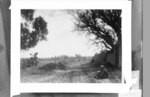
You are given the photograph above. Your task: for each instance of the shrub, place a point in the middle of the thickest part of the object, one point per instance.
(53, 66)
(61, 66)
(48, 67)
(29, 62)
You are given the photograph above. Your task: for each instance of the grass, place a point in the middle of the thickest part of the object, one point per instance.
(72, 70)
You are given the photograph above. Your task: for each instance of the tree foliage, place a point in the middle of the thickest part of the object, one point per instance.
(27, 14)
(33, 29)
(104, 24)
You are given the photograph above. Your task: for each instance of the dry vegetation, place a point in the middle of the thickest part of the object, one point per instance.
(65, 69)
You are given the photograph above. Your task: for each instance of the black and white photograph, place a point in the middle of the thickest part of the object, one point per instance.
(71, 46)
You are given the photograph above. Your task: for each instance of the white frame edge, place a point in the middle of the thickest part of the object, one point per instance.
(17, 87)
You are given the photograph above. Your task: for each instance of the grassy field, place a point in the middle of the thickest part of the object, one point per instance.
(65, 70)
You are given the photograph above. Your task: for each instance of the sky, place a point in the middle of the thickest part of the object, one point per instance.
(62, 38)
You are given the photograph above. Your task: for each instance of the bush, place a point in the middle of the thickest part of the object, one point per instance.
(61, 66)
(48, 67)
(53, 66)
(29, 62)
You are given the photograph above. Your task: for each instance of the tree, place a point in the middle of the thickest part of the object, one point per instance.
(105, 25)
(33, 29)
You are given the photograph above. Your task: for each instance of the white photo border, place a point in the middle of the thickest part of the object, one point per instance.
(18, 87)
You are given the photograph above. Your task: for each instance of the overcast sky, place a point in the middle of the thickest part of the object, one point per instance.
(62, 39)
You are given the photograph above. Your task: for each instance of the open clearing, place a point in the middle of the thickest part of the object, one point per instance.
(71, 74)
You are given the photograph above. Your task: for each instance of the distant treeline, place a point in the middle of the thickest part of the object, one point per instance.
(65, 60)
(64, 57)
(68, 59)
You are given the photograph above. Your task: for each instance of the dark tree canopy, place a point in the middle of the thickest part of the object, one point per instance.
(104, 24)
(33, 29)
(27, 14)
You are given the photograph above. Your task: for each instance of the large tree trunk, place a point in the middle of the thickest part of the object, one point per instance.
(118, 52)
